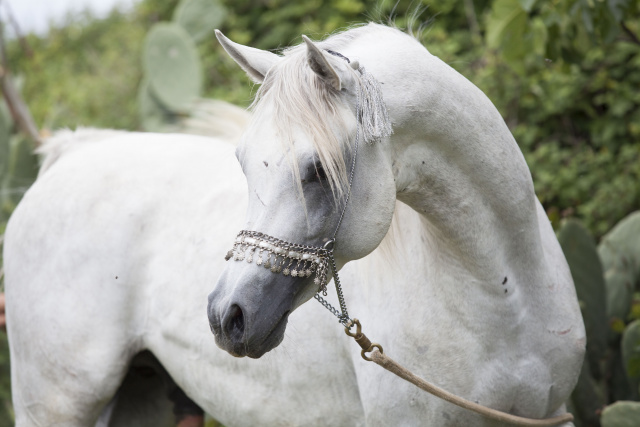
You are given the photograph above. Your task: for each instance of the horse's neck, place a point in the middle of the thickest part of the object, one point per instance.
(457, 164)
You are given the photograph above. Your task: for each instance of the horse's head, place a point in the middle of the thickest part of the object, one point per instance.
(297, 157)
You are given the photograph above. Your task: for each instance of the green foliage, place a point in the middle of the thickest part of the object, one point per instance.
(507, 28)
(573, 27)
(83, 75)
(571, 102)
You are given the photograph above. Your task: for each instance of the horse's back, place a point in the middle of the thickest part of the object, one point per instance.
(77, 255)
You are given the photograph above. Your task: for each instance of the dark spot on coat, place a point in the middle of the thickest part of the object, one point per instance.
(506, 290)
(116, 277)
(265, 163)
(423, 162)
(504, 282)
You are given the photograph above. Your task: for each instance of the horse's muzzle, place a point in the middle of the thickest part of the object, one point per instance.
(249, 318)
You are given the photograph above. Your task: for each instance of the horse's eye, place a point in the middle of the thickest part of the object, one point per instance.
(315, 173)
(320, 173)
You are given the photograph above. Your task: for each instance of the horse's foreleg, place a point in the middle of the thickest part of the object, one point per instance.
(66, 365)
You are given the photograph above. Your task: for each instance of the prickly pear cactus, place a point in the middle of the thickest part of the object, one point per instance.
(580, 250)
(153, 115)
(630, 347)
(619, 251)
(621, 414)
(172, 65)
(587, 399)
(609, 300)
(199, 17)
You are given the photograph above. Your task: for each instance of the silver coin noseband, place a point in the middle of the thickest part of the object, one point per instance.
(283, 257)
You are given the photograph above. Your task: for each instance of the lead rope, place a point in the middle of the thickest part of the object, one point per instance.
(376, 350)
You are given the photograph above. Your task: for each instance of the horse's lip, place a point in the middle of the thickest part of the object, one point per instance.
(239, 351)
(275, 337)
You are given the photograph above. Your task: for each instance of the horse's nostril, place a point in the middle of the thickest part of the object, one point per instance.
(234, 324)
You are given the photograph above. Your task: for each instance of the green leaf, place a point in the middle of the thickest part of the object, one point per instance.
(506, 25)
(587, 20)
(527, 5)
(537, 36)
(618, 8)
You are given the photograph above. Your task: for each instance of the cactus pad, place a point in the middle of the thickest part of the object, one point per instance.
(199, 17)
(621, 414)
(623, 240)
(580, 250)
(630, 347)
(172, 65)
(153, 115)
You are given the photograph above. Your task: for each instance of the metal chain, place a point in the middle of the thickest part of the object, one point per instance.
(343, 316)
(328, 306)
(336, 280)
(353, 165)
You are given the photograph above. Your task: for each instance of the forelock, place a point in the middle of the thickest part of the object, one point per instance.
(298, 99)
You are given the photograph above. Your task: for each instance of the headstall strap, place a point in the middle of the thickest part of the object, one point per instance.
(339, 55)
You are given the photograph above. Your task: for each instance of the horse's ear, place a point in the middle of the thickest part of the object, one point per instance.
(254, 62)
(321, 65)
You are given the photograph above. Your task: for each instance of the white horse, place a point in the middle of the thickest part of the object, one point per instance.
(111, 254)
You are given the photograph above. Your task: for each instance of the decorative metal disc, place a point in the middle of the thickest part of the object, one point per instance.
(306, 260)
